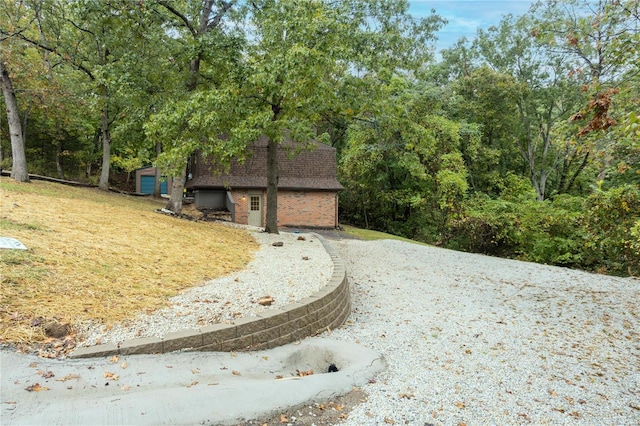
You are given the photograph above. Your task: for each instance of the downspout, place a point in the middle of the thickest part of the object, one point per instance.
(337, 224)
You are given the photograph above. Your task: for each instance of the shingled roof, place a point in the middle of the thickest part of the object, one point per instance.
(310, 169)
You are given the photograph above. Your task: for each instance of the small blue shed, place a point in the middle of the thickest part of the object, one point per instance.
(145, 181)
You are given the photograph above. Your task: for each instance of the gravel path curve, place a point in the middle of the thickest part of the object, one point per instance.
(297, 269)
(468, 339)
(476, 340)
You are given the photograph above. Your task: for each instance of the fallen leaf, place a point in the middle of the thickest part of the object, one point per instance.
(235, 373)
(407, 395)
(284, 419)
(459, 404)
(195, 371)
(389, 421)
(111, 376)
(125, 388)
(36, 388)
(68, 377)
(368, 414)
(279, 376)
(47, 374)
(468, 351)
(114, 359)
(192, 384)
(338, 407)
(304, 373)
(266, 301)
(124, 365)
(10, 402)
(321, 406)
(265, 358)
(575, 414)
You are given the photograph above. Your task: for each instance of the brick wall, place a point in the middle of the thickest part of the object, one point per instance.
(306, 208)
(317, 209)
(241, 198)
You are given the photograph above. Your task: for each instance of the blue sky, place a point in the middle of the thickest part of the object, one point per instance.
(466, 16)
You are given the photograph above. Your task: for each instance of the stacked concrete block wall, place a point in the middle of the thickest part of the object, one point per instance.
(324, 310)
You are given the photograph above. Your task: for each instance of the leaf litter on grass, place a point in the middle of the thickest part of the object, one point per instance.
(98, 256)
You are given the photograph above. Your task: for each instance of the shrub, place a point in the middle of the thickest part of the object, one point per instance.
(611, 222)
(523, 228)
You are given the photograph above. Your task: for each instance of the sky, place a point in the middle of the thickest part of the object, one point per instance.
(466, 16)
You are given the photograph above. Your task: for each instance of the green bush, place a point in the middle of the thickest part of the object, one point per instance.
(543, 232)
(490, 227)
(611, 222)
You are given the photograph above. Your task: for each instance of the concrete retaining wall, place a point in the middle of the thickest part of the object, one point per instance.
(326, 309)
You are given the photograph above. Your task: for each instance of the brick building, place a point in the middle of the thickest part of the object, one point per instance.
(307, 186)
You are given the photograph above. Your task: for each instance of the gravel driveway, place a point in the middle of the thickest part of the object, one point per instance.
(476, 340)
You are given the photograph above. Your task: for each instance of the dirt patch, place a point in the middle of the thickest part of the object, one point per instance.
(328, 413)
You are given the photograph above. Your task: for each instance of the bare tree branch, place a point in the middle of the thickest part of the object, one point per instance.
(180, 16)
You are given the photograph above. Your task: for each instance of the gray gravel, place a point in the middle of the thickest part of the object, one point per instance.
(289, 273)
(468, 339)
(475, 340)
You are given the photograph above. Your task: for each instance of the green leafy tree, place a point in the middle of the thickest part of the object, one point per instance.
(601, 39)
(204, 47)
(402, 168)
(297, 54)
(489, 99)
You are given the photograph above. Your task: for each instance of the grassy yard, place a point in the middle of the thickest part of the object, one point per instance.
(370, 235)
(99, 256)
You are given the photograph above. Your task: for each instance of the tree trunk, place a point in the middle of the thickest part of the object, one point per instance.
(59, 151)
(47, 62)
(177, 190)
(19, 165)
(106, 150)
(206, 23)
(156, 183)
(272, 187)
(177, 187)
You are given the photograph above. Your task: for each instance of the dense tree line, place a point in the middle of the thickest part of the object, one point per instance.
(523, 142)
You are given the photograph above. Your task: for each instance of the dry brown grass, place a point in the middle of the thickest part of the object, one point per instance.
(100, 256)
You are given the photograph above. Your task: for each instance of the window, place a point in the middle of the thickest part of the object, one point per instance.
(255, 203)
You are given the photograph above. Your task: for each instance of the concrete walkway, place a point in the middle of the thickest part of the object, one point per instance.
(179, 388)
